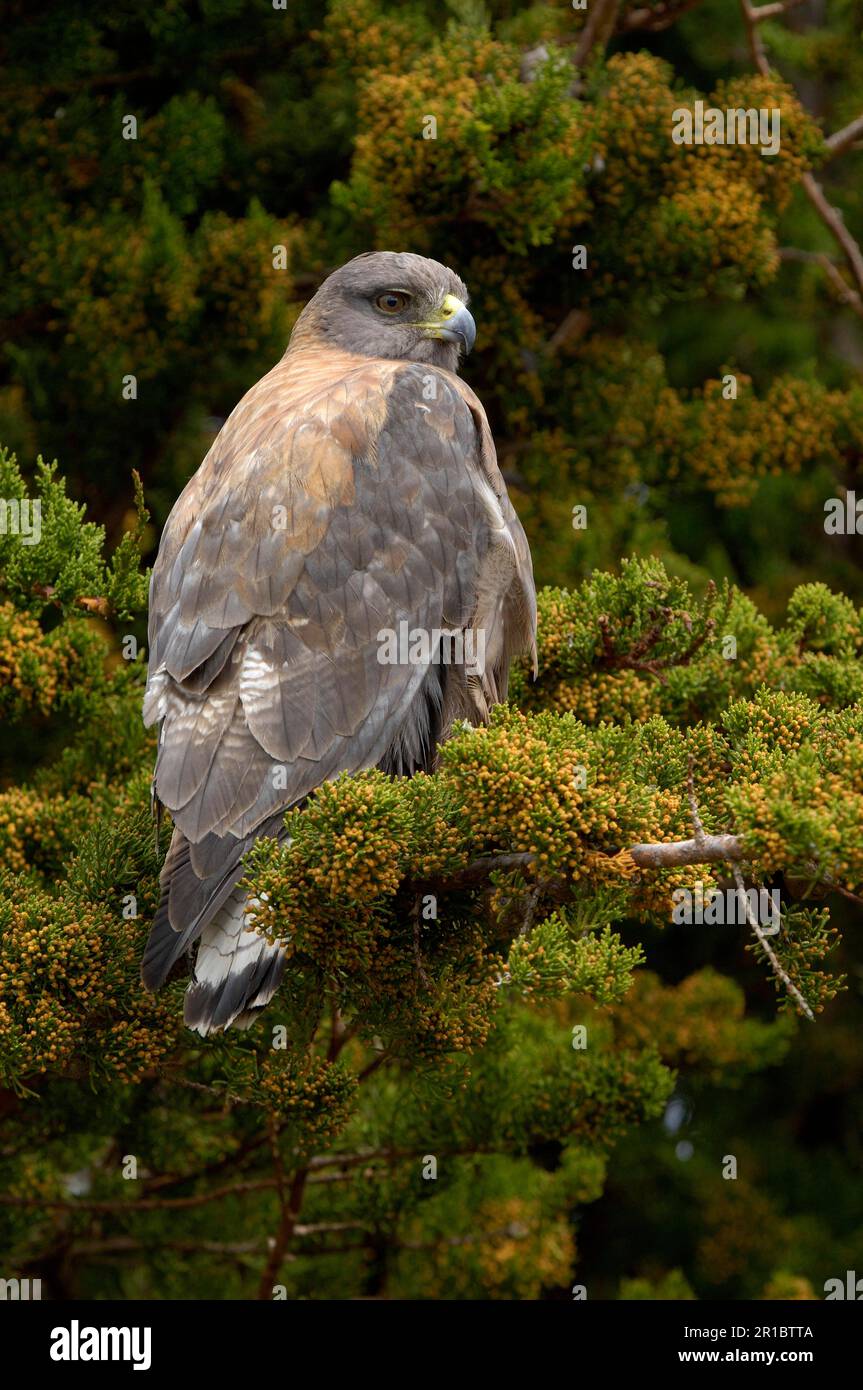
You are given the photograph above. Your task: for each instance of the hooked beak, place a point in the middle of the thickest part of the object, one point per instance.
(455, 324)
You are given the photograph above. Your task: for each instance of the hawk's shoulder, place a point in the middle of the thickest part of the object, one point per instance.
(336, 503)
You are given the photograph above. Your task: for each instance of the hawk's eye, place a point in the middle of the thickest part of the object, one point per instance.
(393, 301)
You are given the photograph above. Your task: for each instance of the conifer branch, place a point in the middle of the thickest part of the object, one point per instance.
(771, 955)
(654, 20)
(237, 1157)
(700, 836)
(598, 29)
(127, 1245)
(130, 1205)
(706, 849)
(287, 1228)
(846, 293)
(829, 215)
(773, 11)
(844, 139)
(834, 223)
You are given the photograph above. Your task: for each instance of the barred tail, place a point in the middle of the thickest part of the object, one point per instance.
(237, 971)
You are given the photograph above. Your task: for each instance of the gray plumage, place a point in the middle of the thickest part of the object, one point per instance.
(353, 488)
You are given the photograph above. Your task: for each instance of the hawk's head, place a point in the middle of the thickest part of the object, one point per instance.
(391, 304)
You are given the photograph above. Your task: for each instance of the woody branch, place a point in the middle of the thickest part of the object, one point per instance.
(843, 140)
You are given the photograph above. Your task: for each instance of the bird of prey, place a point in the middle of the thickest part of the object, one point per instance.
(353, 490)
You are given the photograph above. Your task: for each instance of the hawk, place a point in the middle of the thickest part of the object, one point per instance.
(353, 490)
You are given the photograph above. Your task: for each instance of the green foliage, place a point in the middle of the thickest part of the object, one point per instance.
(552, 960)
(673, 1285)
(459, 980)
(61, 561)
(454, 940)
(305, 130)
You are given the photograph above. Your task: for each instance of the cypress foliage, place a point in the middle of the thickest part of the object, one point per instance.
(497, 1065)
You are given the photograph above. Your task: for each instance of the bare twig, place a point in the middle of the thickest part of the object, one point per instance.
(236, 1157)
(756, 47)
(700, 836)
(598, 29)
(832, 220)
(778, 969)
(478, 870)
(709, 849)
(533, 898)
(843, 892)
(371, 1067)
(131, 1205)
(341, 1161)
(369, 1155)
(773, 11)
(292, 1202)
(845, 292)
(843, 139)
(340, 1034)
(276, 1152)
(653, 21)
(829, 215)
(701, 840)
(637, 657)
(573, 327)
(282, 1239)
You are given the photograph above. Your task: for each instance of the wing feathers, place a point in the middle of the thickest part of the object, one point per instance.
(338, 501)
